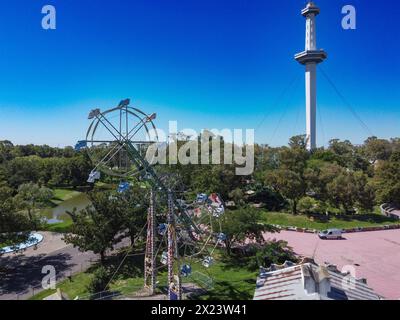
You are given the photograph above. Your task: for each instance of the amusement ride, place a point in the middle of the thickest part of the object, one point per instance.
(181, 235)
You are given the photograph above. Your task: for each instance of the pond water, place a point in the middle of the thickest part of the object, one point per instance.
(59, 213)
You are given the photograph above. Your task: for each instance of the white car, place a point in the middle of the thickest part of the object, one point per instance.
(330, 234)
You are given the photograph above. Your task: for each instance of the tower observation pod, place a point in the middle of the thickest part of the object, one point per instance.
(310, 57)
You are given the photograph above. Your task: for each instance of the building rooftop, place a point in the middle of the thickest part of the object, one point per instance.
(58, 295)
(310, 281)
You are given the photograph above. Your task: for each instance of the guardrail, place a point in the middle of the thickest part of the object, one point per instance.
(110, 294)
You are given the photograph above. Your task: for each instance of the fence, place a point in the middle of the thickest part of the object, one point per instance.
(111, 294)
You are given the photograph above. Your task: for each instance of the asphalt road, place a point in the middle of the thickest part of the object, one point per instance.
(19, 273)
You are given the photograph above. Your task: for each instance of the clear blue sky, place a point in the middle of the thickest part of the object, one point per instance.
(205, 63)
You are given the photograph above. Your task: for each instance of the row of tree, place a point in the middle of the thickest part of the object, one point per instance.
(345, 177)
(42, 165)
(9, 151)
(341, 177)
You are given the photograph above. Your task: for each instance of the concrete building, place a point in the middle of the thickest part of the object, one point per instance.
(310, 281)
(310, 57)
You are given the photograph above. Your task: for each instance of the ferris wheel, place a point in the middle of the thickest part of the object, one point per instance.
(110, 135)
(182, 235)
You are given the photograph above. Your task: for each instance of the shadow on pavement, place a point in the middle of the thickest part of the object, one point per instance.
(18, 273)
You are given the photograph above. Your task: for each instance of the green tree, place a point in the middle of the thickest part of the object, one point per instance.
(376, 149)
(387, 180)
(79, 168)
(349, 190)
(22, 170)
(14, 227)
(135, 202)
(342, 190)
(365, 194)
(237, 195)
(317, 176)
(276, 252)
(294, 158)
(30, 196)
(289, 178)
(242, 224)
(288, 183)
(6, 148)
(97, 228)
(99, 282)
(311, 205)
(348, 155)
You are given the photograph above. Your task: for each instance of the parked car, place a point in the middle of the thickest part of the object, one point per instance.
(330, 234)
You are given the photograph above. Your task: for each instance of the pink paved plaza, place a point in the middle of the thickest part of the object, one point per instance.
(374, 255)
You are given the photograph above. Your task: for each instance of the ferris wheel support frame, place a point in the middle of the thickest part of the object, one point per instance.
(150, 274)
(174, 280)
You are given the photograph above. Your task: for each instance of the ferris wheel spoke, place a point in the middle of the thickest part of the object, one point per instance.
(204, 247)
(110, 123)
(203, 219)
(119, 147)
(132, 173)
(100, 117)
(99, 141)
(140, 122)
(103, 160)
(130, 136)
(213, 248)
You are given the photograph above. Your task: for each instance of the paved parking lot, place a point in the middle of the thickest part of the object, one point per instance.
(23, 271)
(374, 255)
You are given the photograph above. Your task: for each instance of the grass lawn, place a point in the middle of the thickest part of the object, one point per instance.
(76, 287)
(61, 195)
(61, 227)
(78, 283)
(231, 280)
(339, 221)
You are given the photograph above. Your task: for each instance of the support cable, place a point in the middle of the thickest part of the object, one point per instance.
(346, 103)
(296, 83)
(278, 100)
(319, 111)
(123, 259)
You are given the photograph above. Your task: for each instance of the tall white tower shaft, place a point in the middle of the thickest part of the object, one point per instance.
(311, 105)
(310, 57)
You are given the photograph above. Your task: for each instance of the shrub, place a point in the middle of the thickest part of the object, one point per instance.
(272, 252)
(311, 205)
(100, 280)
